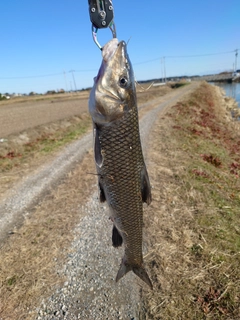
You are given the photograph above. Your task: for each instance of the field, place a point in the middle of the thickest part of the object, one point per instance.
(34, 129)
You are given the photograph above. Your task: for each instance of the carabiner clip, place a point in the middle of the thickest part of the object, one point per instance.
(101, 16)
(95, 30)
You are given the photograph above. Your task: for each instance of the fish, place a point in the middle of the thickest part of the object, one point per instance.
(123, 179)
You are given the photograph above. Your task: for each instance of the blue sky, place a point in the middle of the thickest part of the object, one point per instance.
(42, 39)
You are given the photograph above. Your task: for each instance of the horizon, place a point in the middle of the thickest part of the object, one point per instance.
(181, 77)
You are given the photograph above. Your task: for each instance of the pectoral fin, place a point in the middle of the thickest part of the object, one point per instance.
(145, 186)
(97, 147)
(101, 193)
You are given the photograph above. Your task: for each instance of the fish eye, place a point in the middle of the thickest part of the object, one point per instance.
(123, 82)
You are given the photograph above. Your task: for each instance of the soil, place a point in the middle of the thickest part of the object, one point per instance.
(17, 116)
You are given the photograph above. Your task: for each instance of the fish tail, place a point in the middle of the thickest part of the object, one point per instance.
(138, 270)
(142, 274)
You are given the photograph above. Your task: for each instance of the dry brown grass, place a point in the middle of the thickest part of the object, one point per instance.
(144, 94)
(193, 223)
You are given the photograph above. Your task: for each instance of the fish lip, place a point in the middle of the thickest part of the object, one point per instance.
(121, 49)
(116, 50)
(122, 45)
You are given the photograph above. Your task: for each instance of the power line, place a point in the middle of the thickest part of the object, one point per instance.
(31, 77)
(44, 75)
(201, 55)
(186, 56)
(136, 63)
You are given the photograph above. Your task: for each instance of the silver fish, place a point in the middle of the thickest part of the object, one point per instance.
(122, 174)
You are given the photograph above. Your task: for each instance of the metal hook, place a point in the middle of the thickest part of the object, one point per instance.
(112, 27)
(94, 34)
(101, 16)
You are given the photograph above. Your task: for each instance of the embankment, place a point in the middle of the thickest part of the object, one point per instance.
(192, 226)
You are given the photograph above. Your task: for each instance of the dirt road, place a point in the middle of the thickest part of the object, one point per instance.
(89, 264)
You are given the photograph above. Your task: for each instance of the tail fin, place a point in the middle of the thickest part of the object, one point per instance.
(138, 270)
(142, 274)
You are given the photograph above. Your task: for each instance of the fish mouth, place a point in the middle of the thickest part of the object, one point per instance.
(114, 49)
(121, 50)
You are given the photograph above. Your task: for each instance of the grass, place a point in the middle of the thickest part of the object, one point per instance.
(180, 84)
(198, 256)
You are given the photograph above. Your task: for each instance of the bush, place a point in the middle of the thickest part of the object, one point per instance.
(2, 97)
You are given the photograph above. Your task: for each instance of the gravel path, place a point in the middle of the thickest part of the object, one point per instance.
(90, 291)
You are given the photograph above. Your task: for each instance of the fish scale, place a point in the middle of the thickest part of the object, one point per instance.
(122, 174)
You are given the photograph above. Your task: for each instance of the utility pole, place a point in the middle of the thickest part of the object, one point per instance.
(236, 55)
(73, 79)
(164, 70)
(64, 73)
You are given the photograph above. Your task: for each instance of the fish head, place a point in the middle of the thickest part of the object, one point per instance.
(114, 92)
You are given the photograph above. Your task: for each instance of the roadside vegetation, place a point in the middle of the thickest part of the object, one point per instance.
(193, 229)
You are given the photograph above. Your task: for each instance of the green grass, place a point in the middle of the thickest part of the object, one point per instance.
(179, 85)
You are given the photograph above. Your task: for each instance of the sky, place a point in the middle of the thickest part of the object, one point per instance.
(42, 41)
